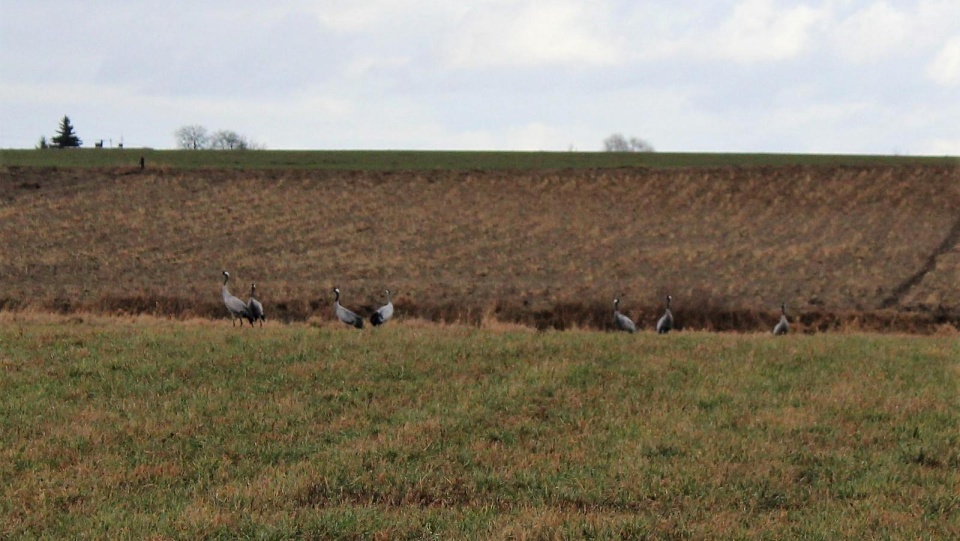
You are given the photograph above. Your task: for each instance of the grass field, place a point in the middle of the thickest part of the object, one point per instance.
(150, 428)
(355, 160)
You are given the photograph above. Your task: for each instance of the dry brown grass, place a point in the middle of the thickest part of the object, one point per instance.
(549, 249)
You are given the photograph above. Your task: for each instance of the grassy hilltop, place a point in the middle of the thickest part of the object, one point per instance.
(403, 160)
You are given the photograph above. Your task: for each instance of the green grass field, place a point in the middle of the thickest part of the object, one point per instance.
(430, 160)
(150, 428)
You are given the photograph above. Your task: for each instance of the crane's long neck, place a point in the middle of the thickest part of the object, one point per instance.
(616, 305)
(388, 296)
(783, 310)
(223, 288)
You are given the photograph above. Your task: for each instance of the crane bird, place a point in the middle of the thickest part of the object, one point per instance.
(783, 327)
(623, 322)
(237, 308)
(256, 309)
(383, 313)
(345, 315)
(666, 322)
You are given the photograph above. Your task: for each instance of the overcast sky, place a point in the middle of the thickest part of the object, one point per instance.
(834, 76)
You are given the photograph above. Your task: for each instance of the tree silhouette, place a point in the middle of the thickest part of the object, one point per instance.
(195, 137)
(192, 137)
(618, 143)
(228, 140)
(65, 135)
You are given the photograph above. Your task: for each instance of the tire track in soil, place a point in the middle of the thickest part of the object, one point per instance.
(949, 242)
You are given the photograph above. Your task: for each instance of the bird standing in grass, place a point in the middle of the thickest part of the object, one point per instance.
(237, 308)
(256, 309)
(666, 322)
(623, 322)
(345, 315)
(783, 327)
(383, 313)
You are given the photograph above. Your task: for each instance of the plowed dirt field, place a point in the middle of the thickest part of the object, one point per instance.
(864, 247)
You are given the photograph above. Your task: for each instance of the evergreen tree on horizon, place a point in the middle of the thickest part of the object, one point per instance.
(65, 135)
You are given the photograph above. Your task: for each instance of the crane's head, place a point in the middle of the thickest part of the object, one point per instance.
(253, 286)
(616, 302)
(227, 274)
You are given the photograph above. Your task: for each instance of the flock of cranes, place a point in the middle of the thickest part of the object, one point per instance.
(252, 311)
(347, 316)
(665, 323)
(624, 323)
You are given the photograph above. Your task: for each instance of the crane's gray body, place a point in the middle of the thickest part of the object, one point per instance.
(383, 313)
(666, 322)
(783, 327)
(623, 322)
(344, 314)
(256, 309)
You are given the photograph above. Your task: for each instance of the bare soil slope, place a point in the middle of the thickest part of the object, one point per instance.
(875, 247)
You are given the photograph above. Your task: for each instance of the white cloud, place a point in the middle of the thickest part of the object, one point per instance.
(879, 31)
(745, 32)
(757, 30)
(533, 34)
(350, 16)
(873, 32)
(945, 67)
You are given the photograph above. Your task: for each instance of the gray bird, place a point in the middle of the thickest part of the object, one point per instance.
(345, 315)
(383, 313)
(237, 308)
(666, 322)
(783, 327)
(623, 322)
(256, 309)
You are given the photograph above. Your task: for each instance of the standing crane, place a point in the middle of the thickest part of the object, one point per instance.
(623, 322)
(666, 322)
(345, 315)
(783, 327)
(256, 309)
(237, 308)
(383, 313)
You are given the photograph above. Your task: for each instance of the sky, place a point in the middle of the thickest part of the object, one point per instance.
(830, 76)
